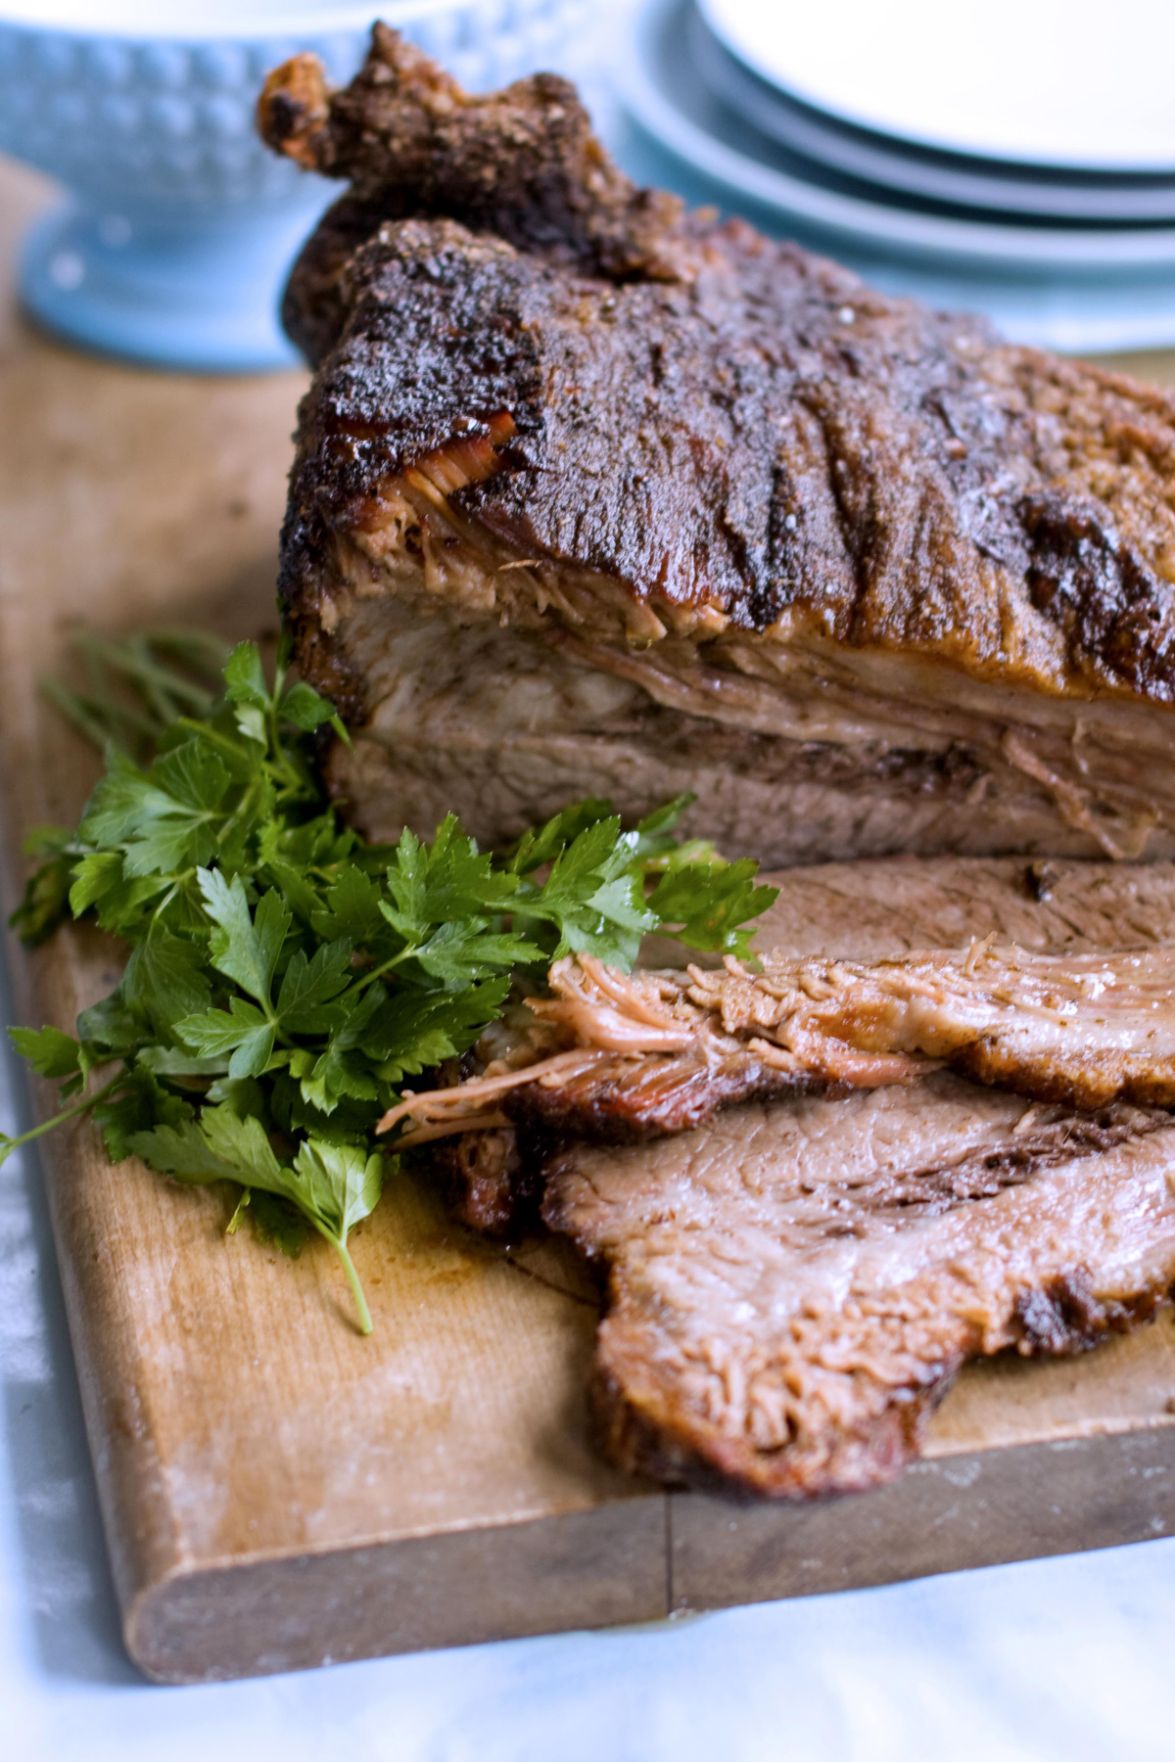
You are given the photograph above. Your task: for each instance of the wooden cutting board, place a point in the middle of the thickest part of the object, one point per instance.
(277, 1491)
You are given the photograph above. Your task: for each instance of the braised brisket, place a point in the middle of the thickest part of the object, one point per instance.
(596, 495)
(614, 1055)
(792, 1289)
(792, 1286)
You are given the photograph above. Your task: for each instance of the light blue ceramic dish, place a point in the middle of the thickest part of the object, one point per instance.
(178, 227)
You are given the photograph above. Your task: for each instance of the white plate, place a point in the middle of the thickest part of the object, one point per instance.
(1072, 83)
(1081, 315)
(663, 90)
(963, 182)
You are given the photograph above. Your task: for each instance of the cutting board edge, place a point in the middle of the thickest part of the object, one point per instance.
(602, 1567)
(667, 1557)
(978, 1508)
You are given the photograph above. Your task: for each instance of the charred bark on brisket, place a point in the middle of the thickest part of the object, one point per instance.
(671, 451)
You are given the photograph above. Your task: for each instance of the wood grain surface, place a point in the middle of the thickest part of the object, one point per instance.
(277, 1491)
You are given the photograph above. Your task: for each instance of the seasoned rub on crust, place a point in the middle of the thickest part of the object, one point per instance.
(522, 164)
(735, 432)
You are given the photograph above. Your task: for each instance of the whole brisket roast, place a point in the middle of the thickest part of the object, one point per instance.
(792, 1286)
(596, 496)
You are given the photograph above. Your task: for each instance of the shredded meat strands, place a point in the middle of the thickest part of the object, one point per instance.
(662, 1050)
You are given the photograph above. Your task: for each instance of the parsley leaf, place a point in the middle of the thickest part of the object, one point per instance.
(243, 945)
(705, 905)
(50, 1052)
(284, 977)
(242, 1031)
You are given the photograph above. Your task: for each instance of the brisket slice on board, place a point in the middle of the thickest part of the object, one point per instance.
(792, 1287)
(613, 1055)
(596, 496)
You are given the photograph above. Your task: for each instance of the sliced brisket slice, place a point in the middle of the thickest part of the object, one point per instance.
(649, 1053)
(1053, 979)
(792, 1289)
(592, 494)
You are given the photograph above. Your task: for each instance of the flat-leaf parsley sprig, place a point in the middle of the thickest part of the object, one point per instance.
(284, 977)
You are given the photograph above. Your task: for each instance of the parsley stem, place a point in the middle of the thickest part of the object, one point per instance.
(362, 983)
(157, 912)
(83, 1105)
(279, 756)
(97, 721)
(362, 1312)
(210, 734)
(245, 802)
(160, 685)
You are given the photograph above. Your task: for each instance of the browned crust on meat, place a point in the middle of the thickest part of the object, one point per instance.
(293, 112)
(672, 1097)
(1065, 1316)
(479, 1176)
(492, 1180)
(522, 164)
(662, 1445)
(1091, 1081)
(726, 427)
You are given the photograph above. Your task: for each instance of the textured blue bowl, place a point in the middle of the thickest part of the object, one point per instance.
(179, 227)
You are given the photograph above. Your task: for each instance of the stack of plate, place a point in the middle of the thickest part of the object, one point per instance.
(1012, 155)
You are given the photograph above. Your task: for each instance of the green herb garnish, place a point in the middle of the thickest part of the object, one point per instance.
(284, 976)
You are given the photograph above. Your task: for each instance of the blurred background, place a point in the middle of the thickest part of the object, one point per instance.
(1011, 156)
